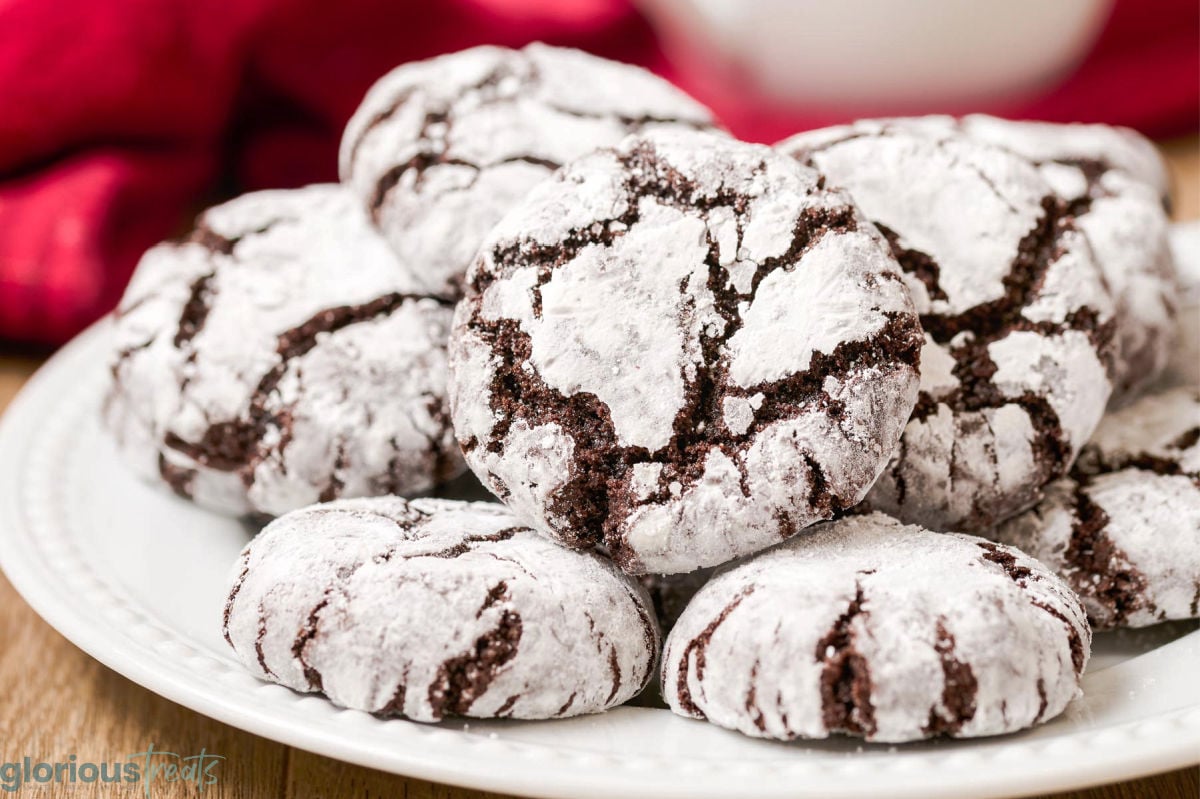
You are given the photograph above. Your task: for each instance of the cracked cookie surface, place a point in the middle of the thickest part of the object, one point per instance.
(431, 608)
(1115, 183)
(867, 627)
(441, 149)
(281, 355)
(1015, 371)
(1123, 529)
(685, 349)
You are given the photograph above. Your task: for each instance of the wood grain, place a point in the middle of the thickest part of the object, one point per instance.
(56, 701)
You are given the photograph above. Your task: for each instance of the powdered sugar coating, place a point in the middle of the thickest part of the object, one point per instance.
(685, 349)
(1183, 365)
(867, 627)
(433, 608)
(1115, 182)
(1124, 529)
(1108, 146)
(281, 356)
(440, 150)
(1016, 317)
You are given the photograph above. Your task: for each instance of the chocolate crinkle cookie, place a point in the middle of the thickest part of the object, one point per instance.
(433, 608)
(1124, 529)
(439, 150)
(686, 349)
(871, 628)
(1115, 184)
(281, 355)
(1015, 371)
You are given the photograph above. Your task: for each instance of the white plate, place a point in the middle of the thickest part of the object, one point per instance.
(135, 577)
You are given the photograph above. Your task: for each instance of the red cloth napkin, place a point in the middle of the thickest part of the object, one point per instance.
(118, 120)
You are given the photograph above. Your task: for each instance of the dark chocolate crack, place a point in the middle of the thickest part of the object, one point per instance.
(614, 670)
(464, 678)
(566, 705)
(1186, 440)
(444, 463)
(395, 705)
(1074, 642)
(375, 121)
(959, 688)
(211, 240)
(1093, 171)
(503, 711)
(258, 642)
(1094, 461)
(195, 310)
(1042, 702)
(989, 322)
(418, 164)
(333, 488)
(845, 676)
(434, 151)
(697, 649)
(496, 594)
(1002, 557)
(1006, 560)
(233, 595)
(234, 445)
(306, 634)
(311, 627)
(916, 263)
(125, 353)
(177, 477)
(596, 497)
(441, 113)
(1097, 568)
(219, 244)
(751, 704)
(650, 630)
(468, 543)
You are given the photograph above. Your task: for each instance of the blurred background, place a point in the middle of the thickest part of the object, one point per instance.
(119, 120)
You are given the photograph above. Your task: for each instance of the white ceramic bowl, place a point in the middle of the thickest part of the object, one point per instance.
(878, 55)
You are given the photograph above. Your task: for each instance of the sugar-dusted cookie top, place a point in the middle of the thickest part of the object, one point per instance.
(433, 608)
(684, 348)
(1123, 530)
(281, 355)
(1015, 372)
(439, 150)
(869, 627)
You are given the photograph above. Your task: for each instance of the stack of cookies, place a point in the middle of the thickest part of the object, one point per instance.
(875, 425)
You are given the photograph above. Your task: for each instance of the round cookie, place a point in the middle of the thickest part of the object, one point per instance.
(1114, 182)
(433, 608)
(279, 356)
(439, 150)
(685, 349)
(1124, 529)
(867, 627)
(1014, 372)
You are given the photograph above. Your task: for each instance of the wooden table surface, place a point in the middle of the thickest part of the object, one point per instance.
(55, 700)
